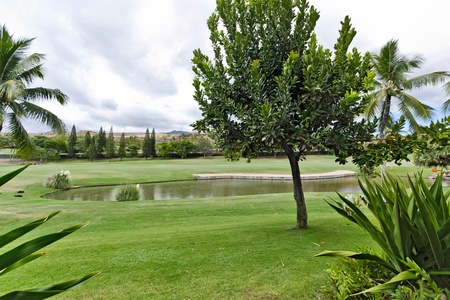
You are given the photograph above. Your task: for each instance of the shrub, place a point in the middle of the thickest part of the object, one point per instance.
(411, 226)
(128, 193)
(349, 276)
(60, 180)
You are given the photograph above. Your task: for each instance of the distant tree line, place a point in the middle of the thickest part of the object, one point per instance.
(101, 145)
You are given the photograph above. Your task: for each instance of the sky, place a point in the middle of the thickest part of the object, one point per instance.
(126, 64)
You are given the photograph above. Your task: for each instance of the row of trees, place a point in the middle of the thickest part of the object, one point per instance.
(102, 146)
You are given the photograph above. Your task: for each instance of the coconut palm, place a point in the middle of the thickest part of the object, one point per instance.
(447, 90)
(18, 70)
(392, 69)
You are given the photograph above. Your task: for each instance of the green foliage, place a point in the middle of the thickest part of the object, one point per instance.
(165, 149)
(146, 145)
(153, 143)
(122, 145)
(395, 146)
(72, 143)
(110, 146)
(270, 85)
(26, 252)
(128, 193)
(92, 149)
(349, 276)
(183, 146)
(133, 145)
(60, 180)
(412, 226)
(100, 143)
(87, 143)
(203, 145)
(433, 149)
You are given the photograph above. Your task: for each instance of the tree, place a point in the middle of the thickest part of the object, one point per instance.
(392, 69)
(146, 145)
(203, 145)
(110, 146)
(18, 70)
(72, 142)
(133, 145)
(271, 86)
(87, 143)
(122, 145)
(101, 143)
(92, 149)
(153, 143)
(164, 149)
(182, 147)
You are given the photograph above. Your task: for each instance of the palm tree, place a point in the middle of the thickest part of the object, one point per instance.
(446, 105)
(18, 100)
(391, 81)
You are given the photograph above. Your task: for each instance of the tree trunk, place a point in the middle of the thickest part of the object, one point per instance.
(302, 215)
(383, 122)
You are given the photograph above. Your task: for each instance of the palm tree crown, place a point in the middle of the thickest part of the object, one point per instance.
(391, 81)
(17, 99)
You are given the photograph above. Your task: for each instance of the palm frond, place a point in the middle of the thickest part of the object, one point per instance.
(11, 90)
(419, 109)
(374, 106)
(43, 116)
(426, 80)
(19, 134)
(40, 93)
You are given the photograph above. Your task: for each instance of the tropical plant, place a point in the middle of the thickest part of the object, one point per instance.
(18, 70)
(271, 85)
(26, 252)
(409, 226)
(392, 69)
(128, 192)
(60, 180)
(348, 276)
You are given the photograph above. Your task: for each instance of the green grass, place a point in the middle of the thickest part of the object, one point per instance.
(220, 248)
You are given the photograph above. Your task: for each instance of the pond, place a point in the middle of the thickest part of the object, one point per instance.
(210, 189)
(207, 189)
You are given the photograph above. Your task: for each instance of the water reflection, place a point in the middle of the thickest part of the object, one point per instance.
(210, 189)
(207, 189)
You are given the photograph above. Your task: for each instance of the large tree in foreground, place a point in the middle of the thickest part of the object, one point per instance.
(393, 83)
(18, 70)
(270, 85)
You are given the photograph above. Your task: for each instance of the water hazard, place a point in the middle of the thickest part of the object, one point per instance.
(208, 189)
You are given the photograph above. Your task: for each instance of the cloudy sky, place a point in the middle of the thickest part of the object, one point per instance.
(127, 63)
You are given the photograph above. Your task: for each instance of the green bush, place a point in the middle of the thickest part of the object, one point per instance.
(411, 228)
(60, 180)
(128, 193)
(349, 276)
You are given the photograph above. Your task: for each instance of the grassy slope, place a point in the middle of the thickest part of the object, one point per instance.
(221, 248)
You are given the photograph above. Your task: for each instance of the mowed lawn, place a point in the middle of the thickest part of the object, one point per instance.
(218, 248)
